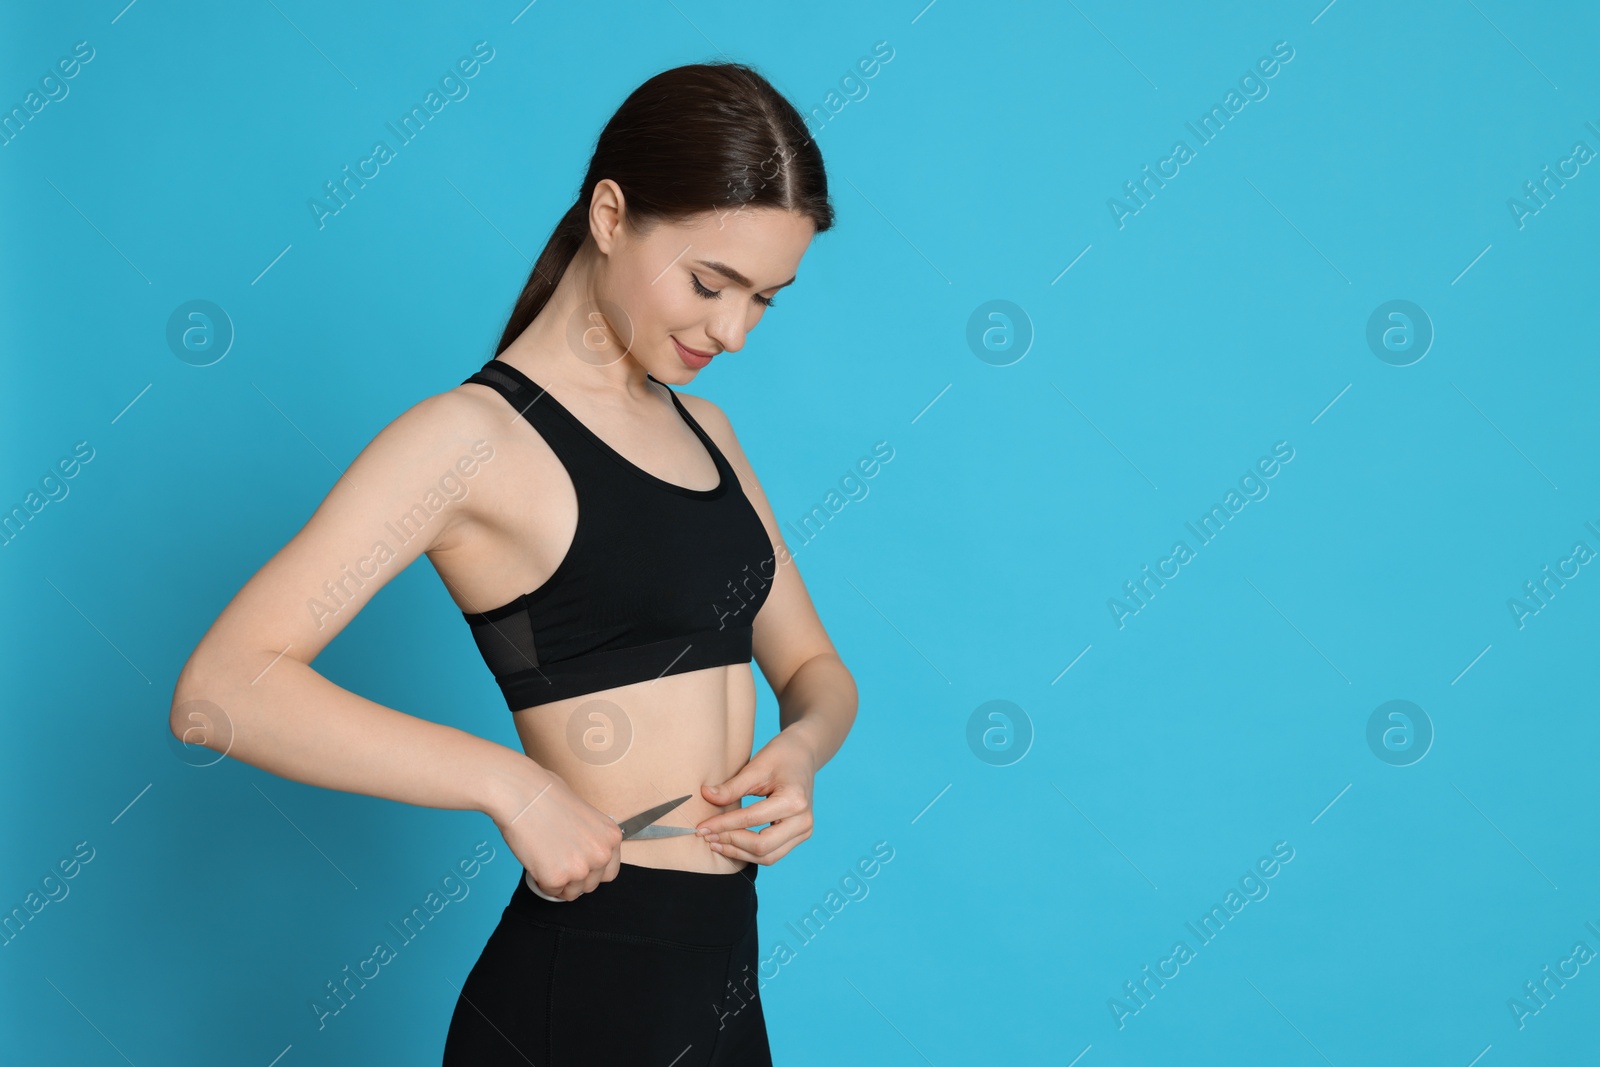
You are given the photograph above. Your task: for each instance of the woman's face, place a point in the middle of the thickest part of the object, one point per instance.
(701, 284)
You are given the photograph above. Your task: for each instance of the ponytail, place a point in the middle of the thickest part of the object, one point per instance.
(552, 263)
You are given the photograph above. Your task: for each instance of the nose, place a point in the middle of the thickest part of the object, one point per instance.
(727, 329)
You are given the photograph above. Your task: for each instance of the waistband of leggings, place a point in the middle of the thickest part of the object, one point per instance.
(688, 907)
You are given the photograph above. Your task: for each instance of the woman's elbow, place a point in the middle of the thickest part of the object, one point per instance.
(193, 718)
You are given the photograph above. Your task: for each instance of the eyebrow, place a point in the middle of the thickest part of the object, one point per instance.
(733, 275)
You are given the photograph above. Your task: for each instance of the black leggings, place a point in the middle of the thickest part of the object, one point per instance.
(657, 967)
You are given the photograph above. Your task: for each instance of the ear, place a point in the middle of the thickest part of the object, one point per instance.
(607, 207)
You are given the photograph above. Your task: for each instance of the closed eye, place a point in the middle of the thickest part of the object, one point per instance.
(709, 294)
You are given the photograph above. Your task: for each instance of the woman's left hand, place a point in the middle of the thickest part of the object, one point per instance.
(783, 772)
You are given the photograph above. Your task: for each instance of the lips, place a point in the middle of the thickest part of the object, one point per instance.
(689, 357)
(693, 351)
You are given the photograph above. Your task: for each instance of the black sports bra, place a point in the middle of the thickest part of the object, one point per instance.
(659, 579)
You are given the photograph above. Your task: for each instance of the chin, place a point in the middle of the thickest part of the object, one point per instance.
(670, 374)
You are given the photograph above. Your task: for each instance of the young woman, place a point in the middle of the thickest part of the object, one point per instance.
(618, 566)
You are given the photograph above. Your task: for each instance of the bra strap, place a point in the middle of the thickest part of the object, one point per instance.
(576, 452)
(711, 446)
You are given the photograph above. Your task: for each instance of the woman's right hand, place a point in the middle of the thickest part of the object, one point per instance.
(566, 844)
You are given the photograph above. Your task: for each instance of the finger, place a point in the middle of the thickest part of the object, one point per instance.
(761, 842)
(545, 894)
(768, 809)
(727, 823)
(749, 779)
(764, 857)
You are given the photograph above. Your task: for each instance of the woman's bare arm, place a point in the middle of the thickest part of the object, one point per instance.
(249, 688)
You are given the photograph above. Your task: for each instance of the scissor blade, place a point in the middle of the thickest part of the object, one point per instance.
(631, 828)
(661, 831)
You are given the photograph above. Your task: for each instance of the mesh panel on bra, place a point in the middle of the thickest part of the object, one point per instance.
(507, 644)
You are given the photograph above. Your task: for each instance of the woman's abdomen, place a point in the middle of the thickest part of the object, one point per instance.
(630, 748)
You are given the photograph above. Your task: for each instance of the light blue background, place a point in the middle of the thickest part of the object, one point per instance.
(1230, 313)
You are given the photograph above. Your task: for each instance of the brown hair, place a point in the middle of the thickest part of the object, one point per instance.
(691, 139)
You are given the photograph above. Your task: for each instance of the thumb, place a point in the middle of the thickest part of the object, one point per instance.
(733, 789)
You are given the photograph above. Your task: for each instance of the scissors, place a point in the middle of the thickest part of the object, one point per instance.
(635, 828)
(639, 826)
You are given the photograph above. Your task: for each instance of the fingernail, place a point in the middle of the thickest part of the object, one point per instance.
(716, 846)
